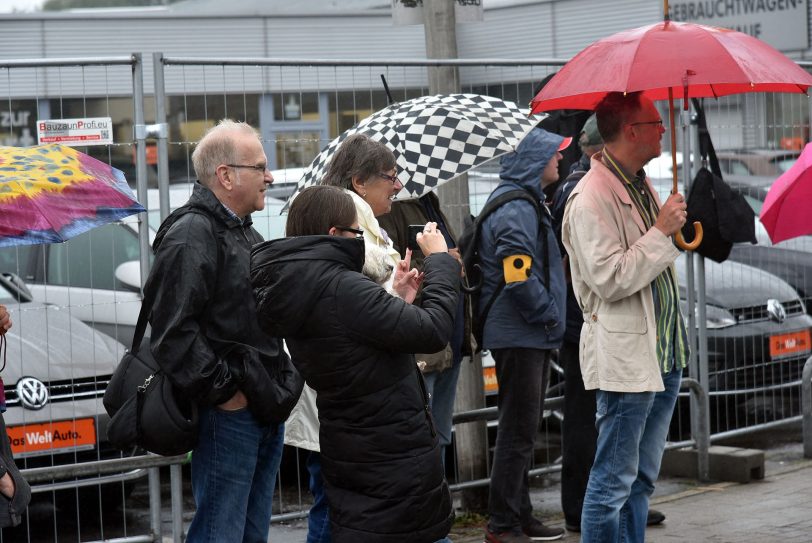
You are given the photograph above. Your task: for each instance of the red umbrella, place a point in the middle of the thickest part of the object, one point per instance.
(667, 60)
(667, 56)
(785, 213)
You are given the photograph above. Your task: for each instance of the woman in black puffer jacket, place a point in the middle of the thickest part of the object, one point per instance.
(351, 340)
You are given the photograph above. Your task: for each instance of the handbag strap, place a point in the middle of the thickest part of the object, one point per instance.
(149, 298)
(706, 150)
(141, 325)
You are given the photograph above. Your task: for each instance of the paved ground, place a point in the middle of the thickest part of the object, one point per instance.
(776, 509)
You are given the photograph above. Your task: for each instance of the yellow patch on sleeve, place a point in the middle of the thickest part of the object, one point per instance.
(517, 268)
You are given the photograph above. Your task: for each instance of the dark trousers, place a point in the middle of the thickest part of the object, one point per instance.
(579, 435)
(522, 377)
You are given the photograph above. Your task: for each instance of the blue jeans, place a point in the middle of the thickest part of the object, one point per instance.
(234, 469)
(442, 387)
(318, 520)
(632, 429)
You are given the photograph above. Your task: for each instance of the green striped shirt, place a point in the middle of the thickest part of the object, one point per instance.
(672, 338)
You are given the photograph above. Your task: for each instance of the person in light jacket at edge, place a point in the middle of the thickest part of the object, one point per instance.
(633, 342)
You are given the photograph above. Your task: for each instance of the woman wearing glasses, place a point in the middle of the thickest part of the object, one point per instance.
(351, 340)
(366, 169)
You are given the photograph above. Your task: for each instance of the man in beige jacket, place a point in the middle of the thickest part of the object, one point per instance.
(633, 343)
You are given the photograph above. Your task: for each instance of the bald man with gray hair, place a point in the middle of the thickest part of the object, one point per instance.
(206, 338)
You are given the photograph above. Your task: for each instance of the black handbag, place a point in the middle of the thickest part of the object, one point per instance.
(725, 215)
(145, 408)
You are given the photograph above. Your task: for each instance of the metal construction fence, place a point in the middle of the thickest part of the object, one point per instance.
(753, 330)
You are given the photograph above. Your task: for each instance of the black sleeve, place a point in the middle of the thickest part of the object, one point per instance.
(391, 324)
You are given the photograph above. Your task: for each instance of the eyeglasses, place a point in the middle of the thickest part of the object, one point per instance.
(393, 178)
(658, 122)
(262, 169)
(357, 231)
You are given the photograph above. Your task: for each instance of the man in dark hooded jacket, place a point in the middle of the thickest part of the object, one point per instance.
(525, 322)
(206, 338)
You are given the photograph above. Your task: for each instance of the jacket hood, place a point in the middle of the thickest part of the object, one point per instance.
(288, 276)
(525, 164)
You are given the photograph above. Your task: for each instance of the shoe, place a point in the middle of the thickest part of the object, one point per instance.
(506, 537)
(537, 531)
(654, 518)
(572, 527)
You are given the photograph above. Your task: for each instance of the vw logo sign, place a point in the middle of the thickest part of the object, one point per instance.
(776, 310)
(32, 392)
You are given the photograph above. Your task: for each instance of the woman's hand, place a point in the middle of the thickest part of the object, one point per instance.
(407, 281)
(431, 240)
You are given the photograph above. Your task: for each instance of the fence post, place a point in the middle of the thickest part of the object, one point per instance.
(702, 430)
(162, 134)
(176, 493)
(155, 503)
(471, 439)
(140, 134)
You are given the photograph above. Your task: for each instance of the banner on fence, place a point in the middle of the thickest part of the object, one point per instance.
(88, 131)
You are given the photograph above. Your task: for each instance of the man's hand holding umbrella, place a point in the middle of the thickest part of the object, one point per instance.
(672, 215)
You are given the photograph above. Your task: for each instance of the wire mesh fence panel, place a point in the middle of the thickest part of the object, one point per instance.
(71, 316)
(756, 313)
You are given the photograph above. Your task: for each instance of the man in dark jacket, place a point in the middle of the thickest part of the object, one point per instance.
(525, 322)
(579, 434)
(206, 337)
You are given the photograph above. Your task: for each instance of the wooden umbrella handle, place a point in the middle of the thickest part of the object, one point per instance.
(682, 244)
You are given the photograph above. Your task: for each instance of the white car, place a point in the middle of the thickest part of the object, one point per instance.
(56, 371)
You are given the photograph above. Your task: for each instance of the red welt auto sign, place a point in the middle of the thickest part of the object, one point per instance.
(792, 343)
(52, 436)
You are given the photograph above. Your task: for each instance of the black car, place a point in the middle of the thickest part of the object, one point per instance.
(791, 260)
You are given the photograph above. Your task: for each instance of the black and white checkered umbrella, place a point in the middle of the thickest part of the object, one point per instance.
(435, 138)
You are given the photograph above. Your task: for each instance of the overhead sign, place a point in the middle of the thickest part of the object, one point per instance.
(784, 24)
(410, 12)
(89, 131)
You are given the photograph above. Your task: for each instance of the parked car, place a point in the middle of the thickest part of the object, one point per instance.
(56, 371)
(768, 163)
(761, 162)
(791, 260)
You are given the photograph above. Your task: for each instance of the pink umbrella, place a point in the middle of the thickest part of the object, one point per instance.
(786, 210)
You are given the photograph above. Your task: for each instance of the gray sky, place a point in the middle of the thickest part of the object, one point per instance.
(7, 6)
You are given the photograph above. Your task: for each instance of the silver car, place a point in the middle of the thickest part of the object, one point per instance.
(56, 371)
